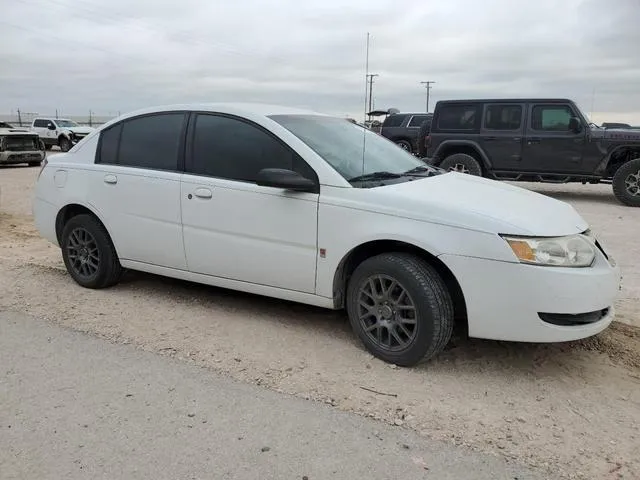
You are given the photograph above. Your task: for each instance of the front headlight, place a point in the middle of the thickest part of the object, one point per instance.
(570, 251)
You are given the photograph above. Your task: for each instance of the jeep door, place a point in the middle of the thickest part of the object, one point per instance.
(501, 134)
(550, 145)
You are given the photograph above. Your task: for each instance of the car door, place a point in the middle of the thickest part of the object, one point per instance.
(40, 127)
(501, 134)
(234, 228)
(550, 145)
(135, 187)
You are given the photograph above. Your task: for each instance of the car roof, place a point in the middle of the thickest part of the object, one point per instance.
(509, 100)
(240, 109)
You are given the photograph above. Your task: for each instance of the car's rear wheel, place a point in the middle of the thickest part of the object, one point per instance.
(405, 145)
(65, 144)
(89, 253)
(462, 163)
(400, 308)
(626, 183)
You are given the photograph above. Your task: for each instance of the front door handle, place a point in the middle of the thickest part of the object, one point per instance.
(111, 179)
(203, 193)
(532, 140)
(489, 139)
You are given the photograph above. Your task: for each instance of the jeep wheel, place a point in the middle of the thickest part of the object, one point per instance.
(463, 163)
(400, 308)
(626, 183)
(65, 144)
(405, 145)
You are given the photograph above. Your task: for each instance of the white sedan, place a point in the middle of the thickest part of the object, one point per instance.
(315, 209)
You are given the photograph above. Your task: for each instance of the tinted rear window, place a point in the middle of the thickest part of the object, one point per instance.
(418, 120)
(458, 117)
(394, 120)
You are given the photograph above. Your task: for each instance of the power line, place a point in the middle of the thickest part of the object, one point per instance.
(427, 85)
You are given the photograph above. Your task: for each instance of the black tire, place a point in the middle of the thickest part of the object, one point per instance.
(463, 163)
(405, 145)
(104, 259)
(626, 183)
(65, 144)
(432, 318)
(48, 146)
(35, 164)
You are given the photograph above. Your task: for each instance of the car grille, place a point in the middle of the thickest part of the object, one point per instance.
(16, 143)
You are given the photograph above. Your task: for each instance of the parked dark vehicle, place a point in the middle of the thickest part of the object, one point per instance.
(403, 129)
(536, 140)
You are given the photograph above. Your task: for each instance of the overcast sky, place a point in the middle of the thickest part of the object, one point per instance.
(119, 55)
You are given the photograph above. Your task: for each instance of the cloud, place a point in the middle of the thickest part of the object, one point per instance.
(122, 55)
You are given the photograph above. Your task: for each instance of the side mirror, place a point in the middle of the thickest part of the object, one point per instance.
(51, 126)
(287, 179)
(575, 125)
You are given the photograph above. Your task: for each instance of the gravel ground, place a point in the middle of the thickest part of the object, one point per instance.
(570, 410)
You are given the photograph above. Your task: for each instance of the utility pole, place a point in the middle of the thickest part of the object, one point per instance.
(427, 85)
(56, 113)
(370, 78)
(90, 118)
(19, 118)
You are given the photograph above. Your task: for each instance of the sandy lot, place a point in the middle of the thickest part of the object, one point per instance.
(572, 410)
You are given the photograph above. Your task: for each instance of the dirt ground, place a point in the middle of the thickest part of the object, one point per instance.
(571, 410)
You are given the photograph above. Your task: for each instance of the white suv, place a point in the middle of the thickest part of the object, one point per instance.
(59, 132)
(318, 210)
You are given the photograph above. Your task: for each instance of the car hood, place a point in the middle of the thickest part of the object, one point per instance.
(477, 203)
(84, 130)
(617, 135)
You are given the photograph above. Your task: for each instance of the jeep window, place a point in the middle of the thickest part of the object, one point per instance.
(66, 123)
(394, 120)
(417, 120)
(503, 117)
(457, 117)
(551, 118)
(340, 143)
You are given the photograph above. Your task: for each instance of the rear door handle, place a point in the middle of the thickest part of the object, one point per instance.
(111, 179)
(203, 193)
(532, 140)
(489, 139)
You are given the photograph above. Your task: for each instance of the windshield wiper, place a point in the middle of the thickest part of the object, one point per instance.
(423, 170)
(375, 176)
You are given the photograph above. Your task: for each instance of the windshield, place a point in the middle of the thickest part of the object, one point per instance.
(66, 123)
(340, 143)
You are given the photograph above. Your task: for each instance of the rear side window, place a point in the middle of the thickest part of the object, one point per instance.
(394, 120)
(39, 123)
(417, 120)
(503, 117)
(145, 142)
(109, 140)
(233, 149)
(458, 117)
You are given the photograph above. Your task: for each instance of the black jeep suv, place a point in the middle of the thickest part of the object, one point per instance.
(536, 140)
(404, 128)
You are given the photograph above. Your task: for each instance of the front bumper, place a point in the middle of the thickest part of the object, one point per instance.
(508, 301)
(9, 157)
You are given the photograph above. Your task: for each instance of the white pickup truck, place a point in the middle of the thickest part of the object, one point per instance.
(59, 131)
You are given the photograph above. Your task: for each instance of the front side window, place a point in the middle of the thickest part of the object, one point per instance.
(551, 118)
(150, 141)
(349, 148)
(457, 117)
(503, 117)
(233, 149)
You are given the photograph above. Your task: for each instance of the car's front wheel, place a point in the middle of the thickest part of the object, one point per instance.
(400, 308)
(65, 144)
(626, 183)
(89, 253)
